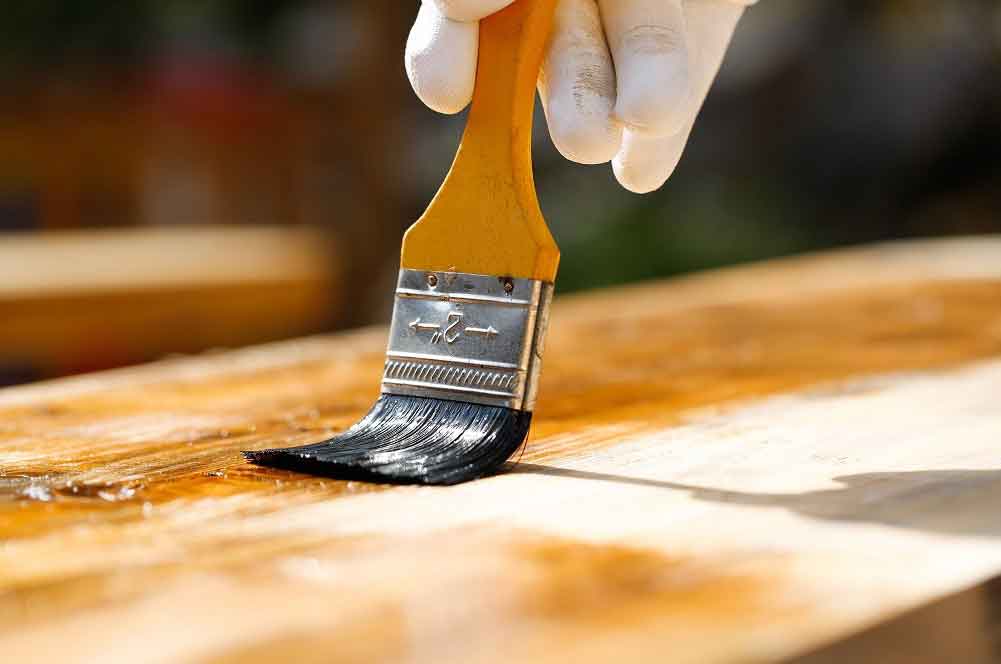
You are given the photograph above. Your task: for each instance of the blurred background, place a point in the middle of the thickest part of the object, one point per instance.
(177, 176)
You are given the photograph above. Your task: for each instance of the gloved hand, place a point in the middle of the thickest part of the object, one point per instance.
(622, 80)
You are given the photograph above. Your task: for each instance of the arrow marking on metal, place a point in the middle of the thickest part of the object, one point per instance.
(483, 331)
(451, 333)
(418, 325)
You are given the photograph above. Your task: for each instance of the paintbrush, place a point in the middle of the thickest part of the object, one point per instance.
(473, 295)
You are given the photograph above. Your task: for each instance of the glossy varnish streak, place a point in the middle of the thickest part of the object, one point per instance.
(737, 466)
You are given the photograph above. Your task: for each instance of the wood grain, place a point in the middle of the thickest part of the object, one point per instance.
(735, 466)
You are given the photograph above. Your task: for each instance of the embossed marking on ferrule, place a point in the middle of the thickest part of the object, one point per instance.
(487, 332)
(451, 334)
(469, 337)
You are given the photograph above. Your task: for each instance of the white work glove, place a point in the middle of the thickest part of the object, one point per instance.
(622, 80)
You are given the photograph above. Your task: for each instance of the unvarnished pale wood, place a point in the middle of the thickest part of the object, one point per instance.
(736, 466)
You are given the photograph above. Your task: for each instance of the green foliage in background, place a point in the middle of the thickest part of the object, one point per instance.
(37, 35)
(609, 236)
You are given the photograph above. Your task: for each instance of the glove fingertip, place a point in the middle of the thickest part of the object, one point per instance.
(636, 180)
(643, 164)
(584, 140)
(440, 94)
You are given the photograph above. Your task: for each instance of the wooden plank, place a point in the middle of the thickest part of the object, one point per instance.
(86, 298)
(735, 466)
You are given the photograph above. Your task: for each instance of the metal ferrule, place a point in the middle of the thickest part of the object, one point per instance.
(467, 337)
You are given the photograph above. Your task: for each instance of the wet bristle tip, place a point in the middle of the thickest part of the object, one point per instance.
(412, 440)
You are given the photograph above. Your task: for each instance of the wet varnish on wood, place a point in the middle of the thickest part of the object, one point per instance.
(735, 466)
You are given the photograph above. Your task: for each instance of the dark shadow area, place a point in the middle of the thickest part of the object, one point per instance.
(943, 501)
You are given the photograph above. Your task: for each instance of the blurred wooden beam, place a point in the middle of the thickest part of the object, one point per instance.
(72, 301)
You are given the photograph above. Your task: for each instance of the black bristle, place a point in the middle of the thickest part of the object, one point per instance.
(412, 440)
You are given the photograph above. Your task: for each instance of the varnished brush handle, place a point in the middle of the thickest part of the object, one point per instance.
(485, 219)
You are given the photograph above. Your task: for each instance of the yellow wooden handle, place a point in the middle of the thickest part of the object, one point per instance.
(485, 219)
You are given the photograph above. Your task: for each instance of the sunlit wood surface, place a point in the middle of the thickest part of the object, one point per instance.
(733, 467)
